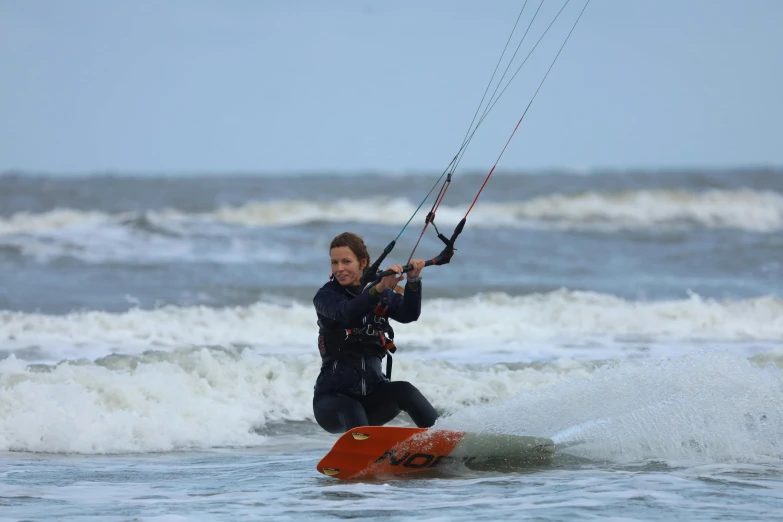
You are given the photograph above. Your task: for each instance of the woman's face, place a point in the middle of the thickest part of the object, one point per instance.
(345, 266)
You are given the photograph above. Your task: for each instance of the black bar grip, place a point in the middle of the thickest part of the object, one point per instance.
(406, 268)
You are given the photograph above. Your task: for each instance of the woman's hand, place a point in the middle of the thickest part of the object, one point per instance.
(418, 265)
(390, 281)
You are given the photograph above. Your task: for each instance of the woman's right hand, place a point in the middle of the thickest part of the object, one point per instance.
(390, 281)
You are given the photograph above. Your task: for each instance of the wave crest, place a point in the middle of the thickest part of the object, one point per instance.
(533, 326)
(743, 209)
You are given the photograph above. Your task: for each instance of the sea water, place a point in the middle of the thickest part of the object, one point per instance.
(158, 343)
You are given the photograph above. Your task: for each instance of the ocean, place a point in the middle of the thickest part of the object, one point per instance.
(158, 343)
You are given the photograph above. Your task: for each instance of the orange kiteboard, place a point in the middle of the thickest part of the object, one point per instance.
(377, 451)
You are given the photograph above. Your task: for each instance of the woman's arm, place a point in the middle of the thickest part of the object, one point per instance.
(332, 305)
(405, 308)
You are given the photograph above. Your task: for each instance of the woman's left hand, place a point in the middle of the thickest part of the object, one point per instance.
(390, 281)
(418, 265)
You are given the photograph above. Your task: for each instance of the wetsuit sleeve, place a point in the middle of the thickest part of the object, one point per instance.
(333, 306)
(405, 308)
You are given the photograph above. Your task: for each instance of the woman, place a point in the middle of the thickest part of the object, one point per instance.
(354, 334)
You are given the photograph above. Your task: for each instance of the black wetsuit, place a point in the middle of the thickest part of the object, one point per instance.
(354, 333)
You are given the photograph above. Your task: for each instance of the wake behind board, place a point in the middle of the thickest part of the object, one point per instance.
(373, 451)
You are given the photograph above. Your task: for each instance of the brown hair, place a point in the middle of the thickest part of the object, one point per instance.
(355, 243)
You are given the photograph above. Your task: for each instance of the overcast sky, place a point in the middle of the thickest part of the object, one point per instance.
(284, 86)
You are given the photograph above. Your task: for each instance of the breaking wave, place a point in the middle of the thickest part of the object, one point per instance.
(744, 209)
(496, 323)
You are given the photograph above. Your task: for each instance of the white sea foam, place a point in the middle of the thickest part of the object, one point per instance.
(705, 405)
(200, 398)
(712, 406)
(95, 237)
(596, 316)
(530, 327)
(278, 328)
(741, 209)
(30, 223)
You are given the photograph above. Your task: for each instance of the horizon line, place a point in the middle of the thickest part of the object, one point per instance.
(375, 171)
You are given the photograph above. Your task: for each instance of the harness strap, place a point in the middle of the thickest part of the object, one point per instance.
(387, 343)
(390, 349)
(382, 307)
(388, 365)
(366, 333)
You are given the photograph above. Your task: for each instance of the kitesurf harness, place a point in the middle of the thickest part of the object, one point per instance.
(374, 339)
(372, 275)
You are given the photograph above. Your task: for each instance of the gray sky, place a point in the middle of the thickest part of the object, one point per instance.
(196, 85)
